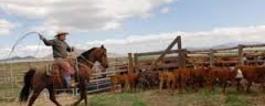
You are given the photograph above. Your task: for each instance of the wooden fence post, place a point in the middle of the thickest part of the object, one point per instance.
(182, 58)
(136, 65)
(179, 43)
(211, 58)
(240, 54)
(180, 53)
(130, 64)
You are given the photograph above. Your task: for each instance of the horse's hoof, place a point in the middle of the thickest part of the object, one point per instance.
(74, 104)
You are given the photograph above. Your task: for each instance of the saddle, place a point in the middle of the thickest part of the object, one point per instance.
(56, 74)
(52, 71)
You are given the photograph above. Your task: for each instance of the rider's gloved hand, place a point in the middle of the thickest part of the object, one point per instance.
(73, 49)
(41, 37)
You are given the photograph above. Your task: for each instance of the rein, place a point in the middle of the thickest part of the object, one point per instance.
(86, 60)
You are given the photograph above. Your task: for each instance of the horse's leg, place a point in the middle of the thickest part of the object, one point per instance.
(82, 88)
(52, 96)
(85, 97)
(34, 96)
(84, 94)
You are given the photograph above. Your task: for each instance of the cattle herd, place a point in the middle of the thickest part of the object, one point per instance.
(241, 77)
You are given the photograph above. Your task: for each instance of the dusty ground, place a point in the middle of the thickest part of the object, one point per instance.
(43, 100)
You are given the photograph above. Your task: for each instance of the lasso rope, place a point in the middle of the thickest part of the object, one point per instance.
(13, 49)
(19, 40)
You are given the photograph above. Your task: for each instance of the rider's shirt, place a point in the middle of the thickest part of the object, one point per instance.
(60, 48)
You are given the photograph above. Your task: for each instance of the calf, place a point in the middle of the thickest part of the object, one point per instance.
(167, 78)
(118, 79)
(131, 80)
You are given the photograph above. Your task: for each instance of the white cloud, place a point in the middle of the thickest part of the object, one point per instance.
(165, 10)
(202, 39)
(5, 27)
(83, 14)
(159, 41)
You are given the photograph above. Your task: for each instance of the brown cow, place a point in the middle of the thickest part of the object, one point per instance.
(254, 74)
(184, 78)
(199, 77)
(222, 75)
(127, 80)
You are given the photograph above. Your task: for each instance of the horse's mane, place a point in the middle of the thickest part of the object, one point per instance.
(87, 53)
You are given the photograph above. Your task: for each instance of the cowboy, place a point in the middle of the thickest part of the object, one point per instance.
(60, 53)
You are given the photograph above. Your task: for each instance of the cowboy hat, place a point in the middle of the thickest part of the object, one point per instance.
(61, 33)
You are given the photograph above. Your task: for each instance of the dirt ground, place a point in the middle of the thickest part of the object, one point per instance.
(43, 100)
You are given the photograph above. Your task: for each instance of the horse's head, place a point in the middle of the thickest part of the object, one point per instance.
(97, 54)
(101, 56)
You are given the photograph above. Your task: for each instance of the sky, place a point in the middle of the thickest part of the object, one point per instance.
(125, 26)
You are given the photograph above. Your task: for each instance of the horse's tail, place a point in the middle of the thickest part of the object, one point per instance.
(24, 94)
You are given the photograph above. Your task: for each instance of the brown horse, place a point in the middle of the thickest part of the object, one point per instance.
(35, 80)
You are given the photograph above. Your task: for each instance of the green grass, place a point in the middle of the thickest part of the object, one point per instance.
(235, 100)
(165, 98)
(122, 99)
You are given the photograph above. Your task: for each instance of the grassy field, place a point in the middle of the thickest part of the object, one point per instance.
(156, 98)
(10, 86)
(164, 98)
(143, 98)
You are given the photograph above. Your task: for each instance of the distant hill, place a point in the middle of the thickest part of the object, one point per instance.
(79, 51)
(19, 58)
(233, 44)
